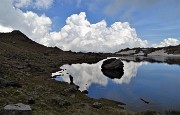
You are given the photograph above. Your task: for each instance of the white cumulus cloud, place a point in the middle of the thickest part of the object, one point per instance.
(167, 42)
(5, 29)
(77, 35)
(22, 3)
(33, 25)
(45, 4)
(80, 35)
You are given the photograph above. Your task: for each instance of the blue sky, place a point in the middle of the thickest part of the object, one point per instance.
(152, 20)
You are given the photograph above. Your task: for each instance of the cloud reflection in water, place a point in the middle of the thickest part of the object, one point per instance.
(86, 74)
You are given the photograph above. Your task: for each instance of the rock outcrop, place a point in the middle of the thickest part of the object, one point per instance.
(112, 64)
(113, 68)
(16, 109)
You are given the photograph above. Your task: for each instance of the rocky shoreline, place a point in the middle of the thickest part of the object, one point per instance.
(25, 79)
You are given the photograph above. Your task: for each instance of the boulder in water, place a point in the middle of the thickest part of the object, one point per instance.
(113, 68)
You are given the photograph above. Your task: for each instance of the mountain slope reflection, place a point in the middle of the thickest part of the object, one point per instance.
(84, 75)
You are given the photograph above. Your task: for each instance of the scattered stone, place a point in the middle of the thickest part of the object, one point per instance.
(73, 96)
(32, 96)
(83, 104)
(26, 60)
(16, 109)
(6, 83)
(60, 102)
(71, 89)
(5, 64)
(120, 106)
(19, 67)
(46, 53)
(31, 101)
(97, 105)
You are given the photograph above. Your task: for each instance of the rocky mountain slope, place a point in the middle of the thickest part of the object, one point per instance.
(25, 77)
(161, 51)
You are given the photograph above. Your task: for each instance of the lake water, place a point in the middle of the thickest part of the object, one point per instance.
(143, 86)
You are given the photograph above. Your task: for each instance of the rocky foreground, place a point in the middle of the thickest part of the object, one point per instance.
(26, 86)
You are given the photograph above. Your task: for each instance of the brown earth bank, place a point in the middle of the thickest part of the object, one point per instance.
(25, 77)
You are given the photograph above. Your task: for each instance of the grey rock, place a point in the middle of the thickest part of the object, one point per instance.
(19, 67)
(97, 105)
(16, 109)
(73, 96)
(18, 106)
(58, 101)
(31, 101)
(71, 89)
(7, 83)
(113, 68)
(112, 64)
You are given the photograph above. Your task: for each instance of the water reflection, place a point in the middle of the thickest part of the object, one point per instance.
(130, 70)
(143, 86)
(84, 75)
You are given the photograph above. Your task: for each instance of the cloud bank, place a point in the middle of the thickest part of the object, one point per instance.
(78, 34)
(5, 29)
(34, 26)
(167, 42)
(43, 4)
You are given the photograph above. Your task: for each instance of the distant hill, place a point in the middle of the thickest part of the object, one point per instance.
(17, 39)
(160, 51)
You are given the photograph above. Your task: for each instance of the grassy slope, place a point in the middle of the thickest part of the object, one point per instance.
(31, 64)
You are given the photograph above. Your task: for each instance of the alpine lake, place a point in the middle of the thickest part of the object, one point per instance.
(144, 85)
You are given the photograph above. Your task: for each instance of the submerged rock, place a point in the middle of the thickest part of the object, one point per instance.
(113, 68)
(16, 109)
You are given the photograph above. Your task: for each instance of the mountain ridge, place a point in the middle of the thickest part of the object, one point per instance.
(163, 51)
